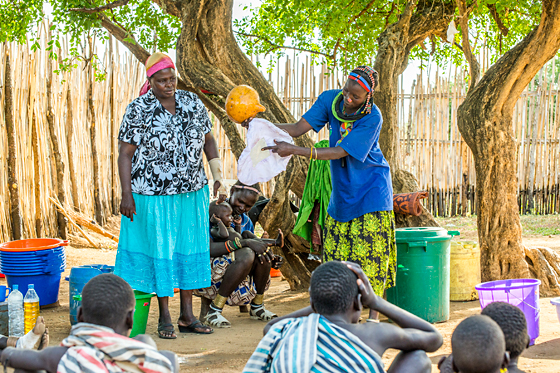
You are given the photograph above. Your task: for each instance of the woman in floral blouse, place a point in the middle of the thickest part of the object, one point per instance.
(164, 229)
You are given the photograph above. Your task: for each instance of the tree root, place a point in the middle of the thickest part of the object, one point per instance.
(544, 264)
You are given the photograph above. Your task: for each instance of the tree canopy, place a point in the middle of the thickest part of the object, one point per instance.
(344, 31)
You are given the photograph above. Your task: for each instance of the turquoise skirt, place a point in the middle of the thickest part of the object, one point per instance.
(167, 244)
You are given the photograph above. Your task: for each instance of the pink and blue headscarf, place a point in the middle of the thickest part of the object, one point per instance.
(156, 62)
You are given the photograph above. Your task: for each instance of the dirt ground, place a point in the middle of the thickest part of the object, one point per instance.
(227, 350)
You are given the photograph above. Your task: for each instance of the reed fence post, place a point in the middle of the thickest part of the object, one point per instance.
(55, 146)
(13, 187)
(93, 137)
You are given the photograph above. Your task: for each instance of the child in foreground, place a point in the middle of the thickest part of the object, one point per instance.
(514, 326)
(327, 336)
(99, 342)
(478, 346)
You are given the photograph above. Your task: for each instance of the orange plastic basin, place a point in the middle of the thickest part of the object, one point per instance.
(33, 244)
(275, 272)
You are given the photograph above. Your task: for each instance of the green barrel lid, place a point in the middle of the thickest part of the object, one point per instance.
(423, 234)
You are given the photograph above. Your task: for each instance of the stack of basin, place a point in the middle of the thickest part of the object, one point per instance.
(38, 261)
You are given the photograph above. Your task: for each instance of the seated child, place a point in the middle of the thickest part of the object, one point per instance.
(327, 336)
(221, 230)
(99, 342)
(514, 326)
(478, 346)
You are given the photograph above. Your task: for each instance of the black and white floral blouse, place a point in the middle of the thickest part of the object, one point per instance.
(169, 156)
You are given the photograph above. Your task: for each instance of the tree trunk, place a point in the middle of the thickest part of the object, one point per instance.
(13, 187)
(485, 122)
(55, 146)
(419, 20)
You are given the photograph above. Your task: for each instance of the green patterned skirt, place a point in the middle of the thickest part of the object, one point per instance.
(369, 241)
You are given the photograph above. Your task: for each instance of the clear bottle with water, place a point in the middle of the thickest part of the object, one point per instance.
(15, 312)
(30, 308)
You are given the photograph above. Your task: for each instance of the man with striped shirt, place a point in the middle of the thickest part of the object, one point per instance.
(327, 336)
(99, 342)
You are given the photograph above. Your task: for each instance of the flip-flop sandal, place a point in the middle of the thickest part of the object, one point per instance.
(162, 328)
(192, 328)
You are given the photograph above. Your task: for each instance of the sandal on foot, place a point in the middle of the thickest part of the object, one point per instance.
(215, 319)
(195, 328)
(165, 328)
(261, 313)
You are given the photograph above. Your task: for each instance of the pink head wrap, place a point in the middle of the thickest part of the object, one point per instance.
(156, 62)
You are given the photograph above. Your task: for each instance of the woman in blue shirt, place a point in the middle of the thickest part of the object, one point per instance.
(360, 222)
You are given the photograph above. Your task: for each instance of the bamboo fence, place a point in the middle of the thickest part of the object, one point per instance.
(430, 143)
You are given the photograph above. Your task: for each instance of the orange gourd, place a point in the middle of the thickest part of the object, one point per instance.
(243, 103)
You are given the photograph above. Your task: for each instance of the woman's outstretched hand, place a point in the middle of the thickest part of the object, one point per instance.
(282, 148)
(128, 207)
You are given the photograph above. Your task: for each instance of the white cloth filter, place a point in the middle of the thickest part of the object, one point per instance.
(257, 166)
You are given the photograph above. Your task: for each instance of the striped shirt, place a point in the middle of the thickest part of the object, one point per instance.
(312, 344)
(93, 348)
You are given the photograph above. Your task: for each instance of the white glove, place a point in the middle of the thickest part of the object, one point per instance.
(216, 169)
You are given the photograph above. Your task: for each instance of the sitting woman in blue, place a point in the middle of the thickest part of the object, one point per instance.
(360, 222)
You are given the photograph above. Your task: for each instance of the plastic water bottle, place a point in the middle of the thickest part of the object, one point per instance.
(15, 312)
(31, 308)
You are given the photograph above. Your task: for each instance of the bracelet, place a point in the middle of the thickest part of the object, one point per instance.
(373, 320)
(315, 152)
(227, 247)
(236, 243)
(311, 153)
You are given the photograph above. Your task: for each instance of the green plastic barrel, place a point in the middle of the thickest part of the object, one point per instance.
(141, 312)
(422, 286)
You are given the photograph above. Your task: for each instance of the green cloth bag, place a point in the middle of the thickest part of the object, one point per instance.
(318, 187)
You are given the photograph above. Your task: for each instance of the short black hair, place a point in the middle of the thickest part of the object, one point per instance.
(333, 288)
(215, 207)
(513, 324)
(106, 300)
(478, 345)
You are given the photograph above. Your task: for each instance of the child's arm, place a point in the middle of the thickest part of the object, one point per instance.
(413, 334)
(220, 231)
(30, 360)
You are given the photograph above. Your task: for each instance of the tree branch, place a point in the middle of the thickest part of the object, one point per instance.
(496, 16)
(474, 66)
(407, 13)
(124, 37)
(171, 7)
(114, 4)
(277, 46)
